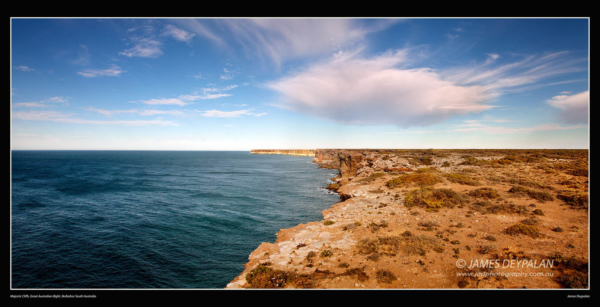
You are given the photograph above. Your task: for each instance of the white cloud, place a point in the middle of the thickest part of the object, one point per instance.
(260, 114)
(111, 112)
(574, 108)
(353, 90)
(66, 118)
(157, 112)
(29, 105)
(166, 101)
(144, 47)
(149, 112)
(217, 113)
(113, 71)
(58, 99)
(208, 93)
(178, 34)
(24, 68)
(381, 90)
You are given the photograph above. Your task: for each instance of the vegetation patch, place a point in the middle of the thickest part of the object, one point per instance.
(522, 229)
(327, 223)
(462, 179)
(529, 183)
(531, 221)
(574, 199)
(485, 193)
(537, 195)
(390, 246)
(418, 178)
(385, 276)
(470, 160)
(430, 198)
(371, 178)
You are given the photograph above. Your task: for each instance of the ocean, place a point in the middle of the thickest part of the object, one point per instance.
(153, 219)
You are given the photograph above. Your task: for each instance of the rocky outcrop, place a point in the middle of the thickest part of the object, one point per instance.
(347, 161)
(287, 152)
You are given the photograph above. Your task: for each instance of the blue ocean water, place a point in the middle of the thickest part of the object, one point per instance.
(152, 219)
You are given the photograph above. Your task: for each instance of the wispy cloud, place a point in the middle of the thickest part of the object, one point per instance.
(29, 105)
(278, 40)
(83, 56)
(67, 118)
(24, 68)
(149, 112)
(113, 71)
(574, 108)
(165, 101)
(217, 113)
(58, 99)
(178, 34)
(148, 39)
(144, 47)
(208, 93)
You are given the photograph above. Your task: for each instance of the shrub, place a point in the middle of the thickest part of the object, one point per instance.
(462, 179)
(433, 198)
(538, 212)
(410, 245)
(485, 193)
(326, 253)
(576, 280)
(470, 160)
(327, 223)
(421, 179)
(385, 276)
(531, 221)
(521, 229)
(538, 195)
(574, 199)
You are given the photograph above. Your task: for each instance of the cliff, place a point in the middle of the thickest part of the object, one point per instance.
(287, 152)
(407, 216)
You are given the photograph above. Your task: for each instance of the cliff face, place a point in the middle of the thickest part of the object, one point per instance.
(287, 152)
(345, 160)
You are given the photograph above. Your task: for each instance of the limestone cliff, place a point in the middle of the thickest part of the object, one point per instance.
(287, 152)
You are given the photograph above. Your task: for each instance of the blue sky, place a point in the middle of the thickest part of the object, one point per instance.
(240, 84)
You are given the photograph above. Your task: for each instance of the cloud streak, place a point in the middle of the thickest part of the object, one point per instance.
(66, 118)
(113, 71)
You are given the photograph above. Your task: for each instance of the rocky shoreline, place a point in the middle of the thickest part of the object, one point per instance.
(483, 205)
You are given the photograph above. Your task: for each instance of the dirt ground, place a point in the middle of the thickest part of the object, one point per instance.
(431, 219)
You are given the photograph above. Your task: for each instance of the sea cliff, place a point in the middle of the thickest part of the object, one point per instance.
(407, 216)
(287, 152)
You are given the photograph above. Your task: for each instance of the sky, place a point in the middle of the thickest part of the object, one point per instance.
(270, 83)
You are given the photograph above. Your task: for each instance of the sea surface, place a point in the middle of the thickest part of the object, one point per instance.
(153, 219)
